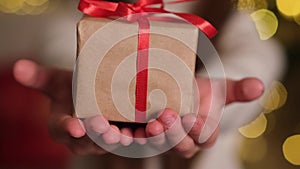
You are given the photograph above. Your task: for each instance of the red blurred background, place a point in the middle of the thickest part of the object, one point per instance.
(24, 140)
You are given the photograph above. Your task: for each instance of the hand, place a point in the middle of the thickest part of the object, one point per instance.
(188, 133)
(56, 84)
(63, 127)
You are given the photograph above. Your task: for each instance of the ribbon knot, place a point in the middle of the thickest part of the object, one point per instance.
(128, 11)
(124, 9)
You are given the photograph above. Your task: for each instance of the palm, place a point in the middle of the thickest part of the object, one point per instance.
(57, 84)
(69, 130)
(194, 132)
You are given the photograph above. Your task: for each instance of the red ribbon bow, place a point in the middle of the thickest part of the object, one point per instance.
(102, 8)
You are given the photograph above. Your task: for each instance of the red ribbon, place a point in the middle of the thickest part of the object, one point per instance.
(102, 8)
(142, 69)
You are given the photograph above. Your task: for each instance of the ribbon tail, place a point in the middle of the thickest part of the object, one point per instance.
(199, 22)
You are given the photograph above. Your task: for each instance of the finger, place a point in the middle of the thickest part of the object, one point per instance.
(112, 136)
(62, 127)
(193, 125)
(29, 73)
(244, 90)
(155, 133)
(74, 127)
(140, 136)
(211, 141)
(200, 128)
(47, 80)
(176, 134)
(126, 136)
(96, 125)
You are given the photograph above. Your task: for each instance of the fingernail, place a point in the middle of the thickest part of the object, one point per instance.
(168, 119)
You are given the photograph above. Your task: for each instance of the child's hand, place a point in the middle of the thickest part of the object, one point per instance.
(171, 128)
(69, 130)
(57, 84)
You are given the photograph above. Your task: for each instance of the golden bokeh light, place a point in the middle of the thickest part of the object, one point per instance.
(36, 2)
(291, 149)
(254, 150)
(289, 8)
(33, 10)
(266, 23)
(11, 6)
(274, 98)
(255, 128)
(245, 4)
(297, 19)
(24, 7)
(252, 4)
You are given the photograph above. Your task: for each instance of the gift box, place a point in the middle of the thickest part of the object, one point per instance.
(106, 73)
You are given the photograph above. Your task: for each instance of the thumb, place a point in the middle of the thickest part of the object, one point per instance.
(30, 74)
(247, 89)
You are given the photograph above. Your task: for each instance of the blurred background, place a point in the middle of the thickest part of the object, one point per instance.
(45, 31)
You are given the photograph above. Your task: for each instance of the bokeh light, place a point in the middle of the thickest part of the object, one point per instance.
(34, 10)
(289, 8)
(255, 128)
(11, 6)
(297, 19)
(261, 148)
(24, 7)
(251, 5)
(274, 98)
(291, 149)
(36, 2)
(266, 23)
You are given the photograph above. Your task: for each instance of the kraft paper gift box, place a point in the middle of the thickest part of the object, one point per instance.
(105, 76)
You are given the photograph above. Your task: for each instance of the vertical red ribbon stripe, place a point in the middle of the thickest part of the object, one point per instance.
(142, 70)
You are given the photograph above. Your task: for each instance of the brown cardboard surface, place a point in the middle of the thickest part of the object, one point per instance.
(112, 85)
